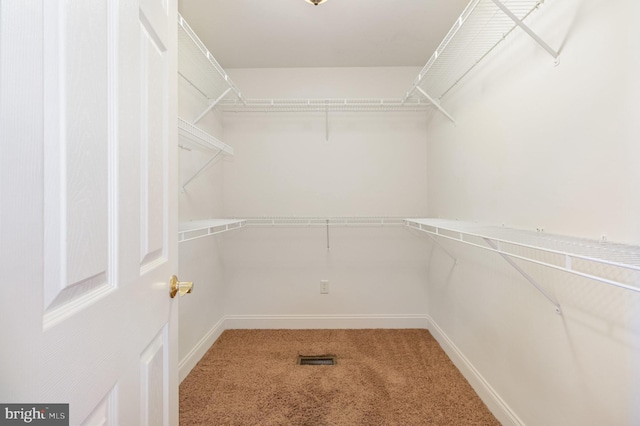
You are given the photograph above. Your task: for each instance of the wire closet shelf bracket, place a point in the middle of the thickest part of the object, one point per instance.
(199, 68)
(479, 29)
(574, 255)
(195, 229)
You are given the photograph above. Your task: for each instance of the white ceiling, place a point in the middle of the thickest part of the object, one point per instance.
(338, 33)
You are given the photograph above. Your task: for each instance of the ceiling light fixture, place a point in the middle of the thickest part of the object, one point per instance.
(315, 2)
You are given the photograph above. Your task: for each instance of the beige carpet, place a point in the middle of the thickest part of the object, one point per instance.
(382, 377)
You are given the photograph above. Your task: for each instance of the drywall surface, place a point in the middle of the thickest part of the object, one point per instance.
(200, 260)
(202, 311)
(313, 164)
(377, 274)
(542, 146)
(555, 147)
(305, 164)
(324, 83)
(202, 197)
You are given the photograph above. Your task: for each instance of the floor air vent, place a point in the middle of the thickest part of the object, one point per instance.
(317, 360)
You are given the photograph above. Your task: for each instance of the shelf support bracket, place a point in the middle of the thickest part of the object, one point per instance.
(211, 105)
(524, 274)
(435, 103)
(527, 30)
(327, 234)
(435, 241)
(200, 170)
(326, 124)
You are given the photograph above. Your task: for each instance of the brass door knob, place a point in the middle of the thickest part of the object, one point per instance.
(177, 286)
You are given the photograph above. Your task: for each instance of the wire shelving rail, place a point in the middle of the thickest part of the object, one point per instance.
(325, 105)
(609, 263)
(195, 229)
(478, 30)
(309, 221)
(198, 138)
(199, 67)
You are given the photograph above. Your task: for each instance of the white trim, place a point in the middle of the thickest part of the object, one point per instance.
(489, 396)
(191, 359)
(294, 322)
(325, 321)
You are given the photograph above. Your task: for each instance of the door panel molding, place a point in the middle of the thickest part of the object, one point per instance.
(80, 169)
(154, 401)
(70, 79)
(153, 135)
(106, 412)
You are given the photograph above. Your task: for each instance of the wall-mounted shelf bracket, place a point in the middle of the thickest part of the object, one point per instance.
(613, 264)
(436, 242)
(200, 170)
(435, 103)
(199, 67)
(193, 137)
(528, 277)
(328, 246)
(211, 105)
(326, 125)
(527, 30)
(481, 27)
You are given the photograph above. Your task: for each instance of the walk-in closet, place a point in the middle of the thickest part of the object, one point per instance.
(433, 203)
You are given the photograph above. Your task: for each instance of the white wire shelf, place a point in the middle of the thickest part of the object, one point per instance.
(195, 229)
(610, 263)
(323, 221)
(198, 66)
(194, 136)
(480, 28)
(324, 105)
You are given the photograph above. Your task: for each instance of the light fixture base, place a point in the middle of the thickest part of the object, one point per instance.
(315, 2)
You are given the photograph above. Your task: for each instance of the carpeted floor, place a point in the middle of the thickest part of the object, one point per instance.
(382, 377)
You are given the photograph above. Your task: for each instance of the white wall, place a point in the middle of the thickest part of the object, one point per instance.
(202, 197)
(376, 277)
(541, 146)
(200, 260)
(555, 147)
(373, 164)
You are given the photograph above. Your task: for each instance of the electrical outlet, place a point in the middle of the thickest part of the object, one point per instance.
(324, 286)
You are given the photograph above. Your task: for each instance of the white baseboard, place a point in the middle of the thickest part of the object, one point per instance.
(489, 396)
(188, 362)
(324, 321)
(294, 322)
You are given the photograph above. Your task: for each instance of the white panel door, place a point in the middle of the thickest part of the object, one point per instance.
(88, 216)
